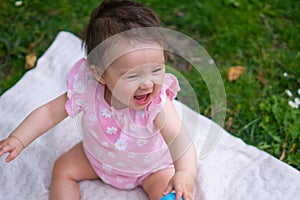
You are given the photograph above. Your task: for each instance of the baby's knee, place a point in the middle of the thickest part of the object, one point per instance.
(61, 168)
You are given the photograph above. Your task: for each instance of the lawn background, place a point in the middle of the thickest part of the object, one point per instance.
(262, 36)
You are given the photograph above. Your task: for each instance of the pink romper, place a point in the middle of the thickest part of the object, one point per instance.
(123, 146)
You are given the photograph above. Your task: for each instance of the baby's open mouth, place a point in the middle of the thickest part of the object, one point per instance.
(142, 99)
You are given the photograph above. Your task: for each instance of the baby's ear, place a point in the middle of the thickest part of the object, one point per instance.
(97, 74)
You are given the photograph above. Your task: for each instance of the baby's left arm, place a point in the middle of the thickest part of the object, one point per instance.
(182, 151)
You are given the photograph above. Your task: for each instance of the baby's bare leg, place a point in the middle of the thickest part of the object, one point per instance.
(70, 168)
(155, 184)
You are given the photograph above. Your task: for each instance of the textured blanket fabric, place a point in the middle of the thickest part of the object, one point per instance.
(232, 170)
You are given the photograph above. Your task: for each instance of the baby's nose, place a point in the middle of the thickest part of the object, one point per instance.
(146, 84)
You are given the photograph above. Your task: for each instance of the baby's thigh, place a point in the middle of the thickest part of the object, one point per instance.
(74, 165)
(155, 184)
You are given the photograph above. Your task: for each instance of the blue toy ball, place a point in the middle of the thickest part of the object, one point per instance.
(170, 196)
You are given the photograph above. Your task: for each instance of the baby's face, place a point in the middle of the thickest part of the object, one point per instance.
(135, 78)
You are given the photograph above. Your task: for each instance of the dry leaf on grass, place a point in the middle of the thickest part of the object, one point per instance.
(235, 72)
(31, 57)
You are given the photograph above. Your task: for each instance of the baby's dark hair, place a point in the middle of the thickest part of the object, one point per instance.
(114, 17)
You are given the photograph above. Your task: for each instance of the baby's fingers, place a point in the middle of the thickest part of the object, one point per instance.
(182, 192)
(13, 154)
(188, 196)
(179, 191)
(6, 148)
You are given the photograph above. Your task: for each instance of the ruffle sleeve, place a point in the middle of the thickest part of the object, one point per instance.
(169, 90)
(171, 86)
(76, 88)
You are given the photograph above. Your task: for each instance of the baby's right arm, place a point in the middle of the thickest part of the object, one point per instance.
(34, 125)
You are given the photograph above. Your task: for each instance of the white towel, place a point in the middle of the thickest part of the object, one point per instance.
(233, 170)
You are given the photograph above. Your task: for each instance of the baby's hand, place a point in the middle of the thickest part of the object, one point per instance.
(183, 184)
(11, 145)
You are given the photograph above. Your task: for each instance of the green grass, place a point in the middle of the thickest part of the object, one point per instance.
(263, 36)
